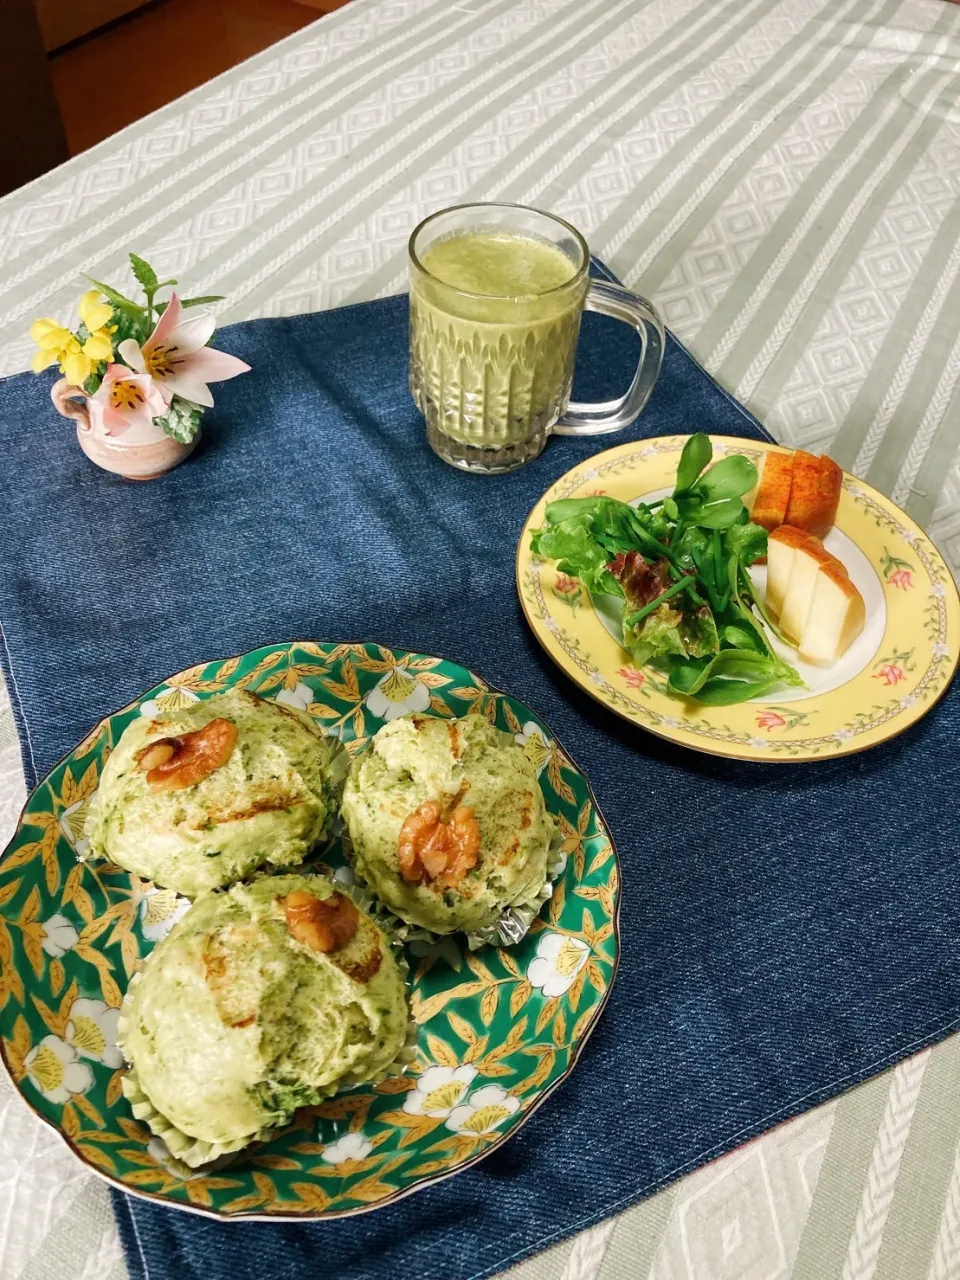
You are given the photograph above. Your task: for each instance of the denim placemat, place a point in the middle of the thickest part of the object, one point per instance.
(786, 930)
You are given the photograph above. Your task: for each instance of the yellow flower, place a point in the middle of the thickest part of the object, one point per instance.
(59, 346)
(95, 314)
(77, 368)
(92, 312)
(55, 342)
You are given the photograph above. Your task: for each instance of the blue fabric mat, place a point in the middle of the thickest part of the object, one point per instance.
(787, 930)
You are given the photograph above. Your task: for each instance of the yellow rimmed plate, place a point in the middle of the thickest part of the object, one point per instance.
(890, 677)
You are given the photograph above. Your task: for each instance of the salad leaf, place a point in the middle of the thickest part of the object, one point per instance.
(731, 477)
(732, 675)
(680, 563)
(579, 554)
(748, 542)
(696, 455)
(657, 636)
(698, 631)
(721, 514)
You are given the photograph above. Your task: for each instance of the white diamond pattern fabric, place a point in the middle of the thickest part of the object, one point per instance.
(783, 178)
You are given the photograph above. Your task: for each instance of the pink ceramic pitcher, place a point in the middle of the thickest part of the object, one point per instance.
(141, 453)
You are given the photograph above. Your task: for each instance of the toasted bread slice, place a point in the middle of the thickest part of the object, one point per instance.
(836, 616)
(814, 493)
(773, 490)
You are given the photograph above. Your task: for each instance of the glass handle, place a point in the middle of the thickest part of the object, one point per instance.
(612, 415)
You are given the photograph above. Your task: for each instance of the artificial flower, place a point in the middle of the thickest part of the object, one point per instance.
(177, 358)
(128, 399)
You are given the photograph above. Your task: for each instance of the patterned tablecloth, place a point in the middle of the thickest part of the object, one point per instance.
(783, 178)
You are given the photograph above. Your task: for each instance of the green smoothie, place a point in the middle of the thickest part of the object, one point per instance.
(494, 319)
(500, 266)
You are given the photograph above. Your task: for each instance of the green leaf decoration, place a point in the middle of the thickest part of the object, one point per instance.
(144, 273)
(182, 421)
(192, 302)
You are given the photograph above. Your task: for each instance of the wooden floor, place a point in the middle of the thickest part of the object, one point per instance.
(142, 62)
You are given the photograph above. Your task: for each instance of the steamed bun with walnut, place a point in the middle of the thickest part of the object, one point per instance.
(447, 821)
(202, 796)
(262, 999)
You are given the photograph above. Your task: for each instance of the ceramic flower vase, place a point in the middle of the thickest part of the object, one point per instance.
(140, 453)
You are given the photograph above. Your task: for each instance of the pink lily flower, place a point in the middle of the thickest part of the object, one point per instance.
(177, 358)
(126, 400)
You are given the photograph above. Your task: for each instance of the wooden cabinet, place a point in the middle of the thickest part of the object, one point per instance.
(64, 20)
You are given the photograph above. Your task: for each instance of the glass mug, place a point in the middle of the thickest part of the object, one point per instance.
(490, 369)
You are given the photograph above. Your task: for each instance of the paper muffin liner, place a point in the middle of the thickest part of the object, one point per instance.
(509, 928)
(188, 1155)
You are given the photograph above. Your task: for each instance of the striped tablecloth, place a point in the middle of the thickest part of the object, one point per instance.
(783, 178)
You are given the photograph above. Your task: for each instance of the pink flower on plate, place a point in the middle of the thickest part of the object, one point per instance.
(901, 578)
(633, 677)
(177, 357)
(127, 399)
(566, 585)
(770, 720)
(890, 673)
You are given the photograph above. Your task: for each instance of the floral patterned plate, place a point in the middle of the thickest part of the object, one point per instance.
(888, 679)
(499, 1030)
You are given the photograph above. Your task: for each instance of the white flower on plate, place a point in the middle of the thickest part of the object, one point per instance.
(439, 1090)
(351, 1146)
(73, 821)
(843, 735)
(92, 1031)
(558, 961)
(591, 473)
(56, 1070)
(908, 700)
(59, 935)
(483, 1111)
(535, 744)
(908, 536)
(671, 722)
(170, 699)
(160, 909)
(552, 625)
(298, 697)
(597, 678)
(758, 742)
(396, 694)
(941, 650)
